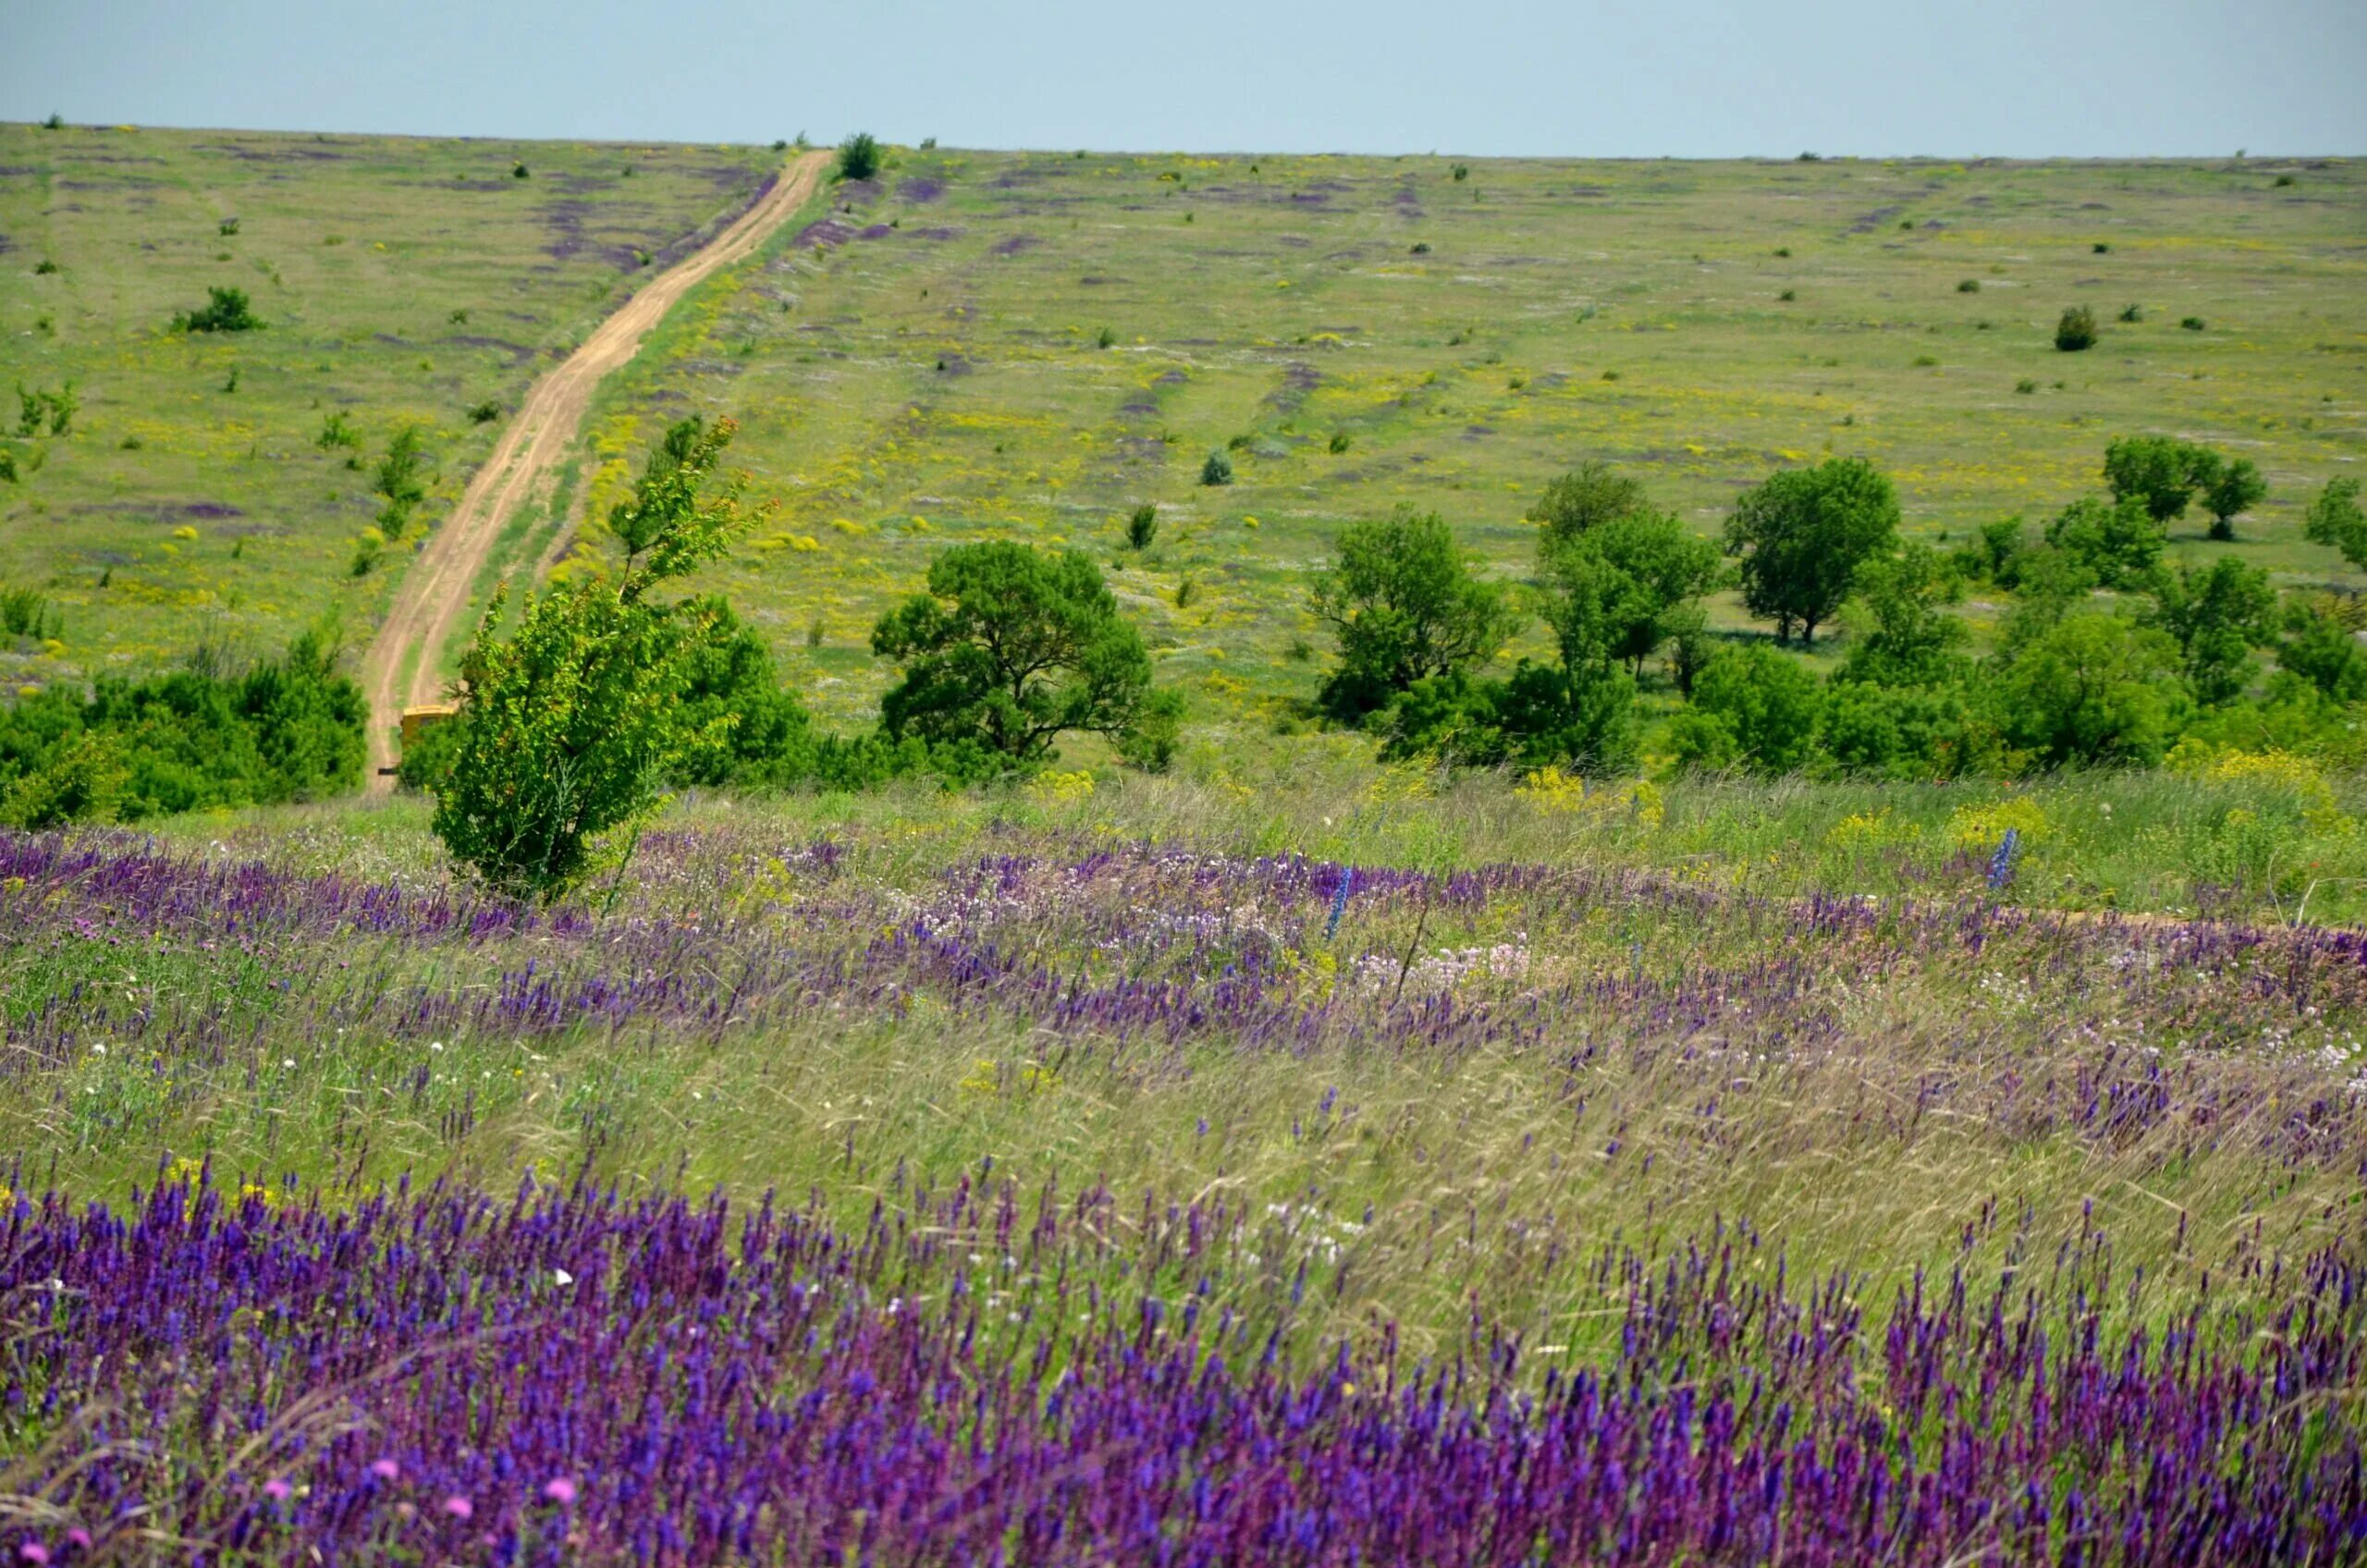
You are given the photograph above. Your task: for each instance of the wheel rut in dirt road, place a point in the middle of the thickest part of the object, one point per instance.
(403, 666)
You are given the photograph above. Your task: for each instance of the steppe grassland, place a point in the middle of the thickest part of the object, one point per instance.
(925, 363)
(402, 281)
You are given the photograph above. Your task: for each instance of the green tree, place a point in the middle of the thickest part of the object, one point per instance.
(1009, 647)
(1803, 534)
(2234, 490)
(2092, 687)
(1913, 640)
(2161, 471)
(2334, 518)
(858, 157)
(1403, 605)
(1583, 499)
(1616, 588)
(2119, 544)
(2075, 330)
(2217, 615)
(568, 727)
(1770, 702)
(1585, 721)
(2322, 647)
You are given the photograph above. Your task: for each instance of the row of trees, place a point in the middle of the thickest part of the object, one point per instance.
(2071, 680)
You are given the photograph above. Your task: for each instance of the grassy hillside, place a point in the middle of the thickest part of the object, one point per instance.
(926, 364)
(400, 282)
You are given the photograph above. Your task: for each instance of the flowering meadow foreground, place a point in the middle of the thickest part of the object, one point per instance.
(1033, 1195)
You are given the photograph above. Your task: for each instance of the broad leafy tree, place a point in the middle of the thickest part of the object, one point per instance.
(2218, 615)
(2118, 543)
(2093, 688)
(2234, 490)
(1617, 591)
(1912, 640)
(2161, 471)
(1803, 534)
(1403, 605)
(1010, 647)
(2336, 519)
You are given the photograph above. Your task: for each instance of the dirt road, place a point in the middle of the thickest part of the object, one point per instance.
(433, 597)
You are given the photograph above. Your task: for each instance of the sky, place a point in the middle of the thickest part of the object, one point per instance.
(1478, 77)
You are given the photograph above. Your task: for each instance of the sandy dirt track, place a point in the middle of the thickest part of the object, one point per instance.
(434, 596)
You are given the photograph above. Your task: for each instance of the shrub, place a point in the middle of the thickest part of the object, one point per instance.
(2218, 616)
(1968, 286)
(2091, 689)
(1542, 717)
(1912, 640)
(54, 122)
(858, 157)
(1104, 338)
(2075, 330)
(485, 413)
(226, 310)
(1803, 534)
(1770, 704)
(567, 727)
(2192, 323)
(1889, 732)
(1616, 589)
(520, 171)
(2132, 312)
(1420, 248)
(228, 228)
(1216, 470)
(2117, 544)
(1340, 441)
(203, 736)
(1788, 295)
(1142, 526)
(2026, 387)
(2102, 248)
(336, 431)
(1461, 172)
(45, 267)
(1010, 648)
(25, 612)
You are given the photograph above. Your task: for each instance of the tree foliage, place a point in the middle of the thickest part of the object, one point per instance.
(1403, 605)
(1010, 648)
(2217, 615)
(2336, 519)
(568, 727)
(1803, 534)
(2118, 544)
(202, 736)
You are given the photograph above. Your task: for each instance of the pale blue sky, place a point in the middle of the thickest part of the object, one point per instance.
(1617, 78)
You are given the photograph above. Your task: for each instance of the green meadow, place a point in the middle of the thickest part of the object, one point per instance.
(400, 282)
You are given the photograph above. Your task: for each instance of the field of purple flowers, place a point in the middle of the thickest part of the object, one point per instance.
(1036, 1196)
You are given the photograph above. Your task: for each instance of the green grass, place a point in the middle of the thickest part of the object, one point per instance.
(359, 253)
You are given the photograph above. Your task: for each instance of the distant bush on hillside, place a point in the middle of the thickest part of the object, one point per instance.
(226, 310)
(858, 157)
(1218, 470)
(2075, 330)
